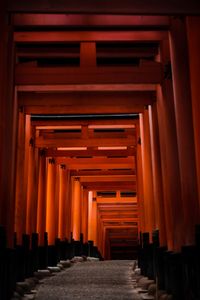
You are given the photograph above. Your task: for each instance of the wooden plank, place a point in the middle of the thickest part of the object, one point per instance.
(89, 152)
(103, 172)
(145, 73)
(86, 98)
(89, 36)
(144, 7)
(86, 87)
(95, 166)
(92, 109)
(84, 179)
(20, 19)
(41, 124)
(92, 142)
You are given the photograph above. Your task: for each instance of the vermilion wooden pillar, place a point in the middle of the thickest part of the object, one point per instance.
(184, 125)
(140, 192)
(90, 235)
(62, 216)
(84, 218)
(8, 127)
(157, 175)
(69, 209)
(94, 217)
(41, 206)
(149, 209)
(76, 226)
(88, 54)
(193, 37)
(31, 212)
(51, 201)
(20, 197)
(57, 192)
(169, 157)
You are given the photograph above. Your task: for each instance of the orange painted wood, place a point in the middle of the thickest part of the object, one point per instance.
(157, 176)
(110, 172)
(88, 36)
(90, 152)
(146, 72)
(92, 218)
(41, 205)
(169, 160)
(92, 142)
(51, 202)
(87, 87)
(21, 19)
(184, 125)
(84, 223)
(63, 209)
(194, 63)
(149, 206)
(84, 179)
(110, 186)
(101, 7)
(20, 198)
(8, 130)
(32, 185)
(139, 182)
(87, 54)
(91, 109)
(76, 209)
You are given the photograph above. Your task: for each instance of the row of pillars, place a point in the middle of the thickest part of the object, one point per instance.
(48, 199)
(168, 156)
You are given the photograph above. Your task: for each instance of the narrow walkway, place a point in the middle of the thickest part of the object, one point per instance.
(90, 280)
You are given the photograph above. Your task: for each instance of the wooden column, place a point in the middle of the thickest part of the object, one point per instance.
(31, 210)
(88, 54)
(157, 175)
(92, 218)
(20, 197)
(193, 37)
(8, 127)
(184, 125)
(84, 218)
(69, 209)
(57, 191)
(90, 196)
(169, 157)
(149, 209)
(51, 205)
(41, 206)
(140, 192)
(76, 209)
(62, 216)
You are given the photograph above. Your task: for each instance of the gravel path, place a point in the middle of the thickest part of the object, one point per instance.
(110, 280)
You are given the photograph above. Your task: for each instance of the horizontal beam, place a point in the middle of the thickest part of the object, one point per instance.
(40, 142)
(86, 98)
(83, 102)
(145, 73)
(102, 186)
(96, 163)
(99, 160)
(144, 7)
(90, 152)
(20, 19)
(102, 172)
(92, 109)
(88, 36)
(85, 179)
(86, 88)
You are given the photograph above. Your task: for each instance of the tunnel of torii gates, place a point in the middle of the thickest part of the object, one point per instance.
(99, 128)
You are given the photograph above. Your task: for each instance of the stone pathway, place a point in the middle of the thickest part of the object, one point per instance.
(107, 280)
